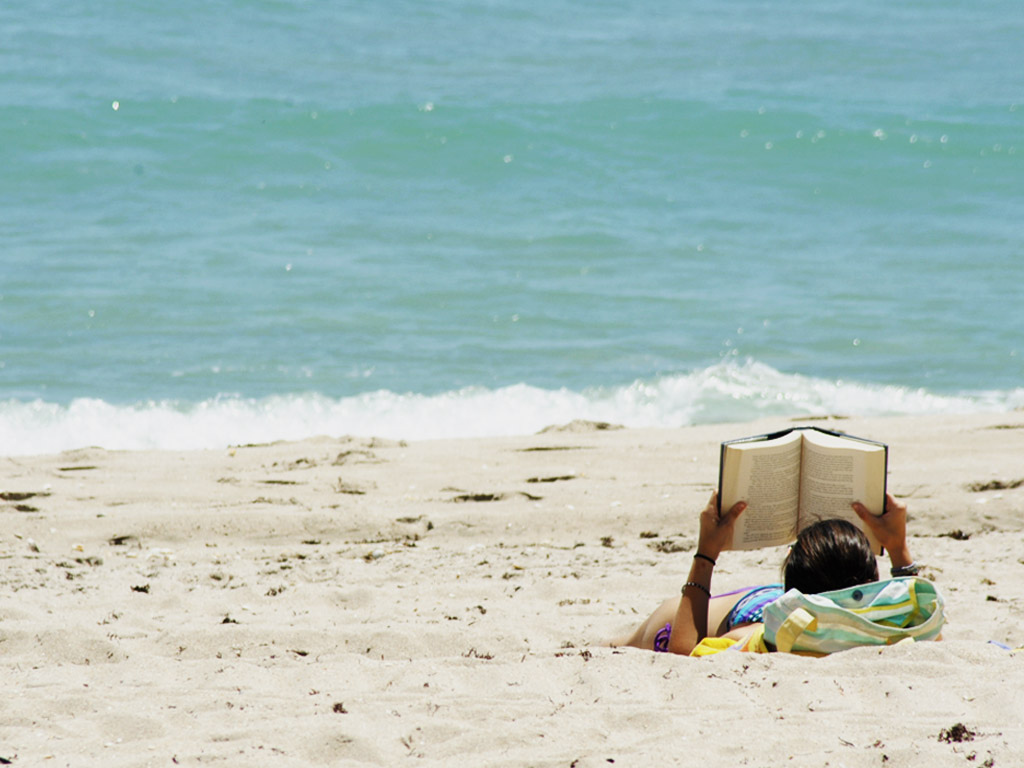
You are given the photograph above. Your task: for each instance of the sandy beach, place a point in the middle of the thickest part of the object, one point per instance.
(354, 601)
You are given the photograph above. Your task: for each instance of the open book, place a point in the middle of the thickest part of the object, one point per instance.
(793, 478)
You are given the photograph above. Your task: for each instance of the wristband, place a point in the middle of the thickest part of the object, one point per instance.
(905, 570)
(705, 557)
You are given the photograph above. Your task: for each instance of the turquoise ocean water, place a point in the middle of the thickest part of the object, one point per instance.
(245, 221)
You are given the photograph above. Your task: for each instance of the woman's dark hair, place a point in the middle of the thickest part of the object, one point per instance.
(830, 554)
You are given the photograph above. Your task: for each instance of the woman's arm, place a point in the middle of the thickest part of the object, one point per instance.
(890, 528)
(690, 625)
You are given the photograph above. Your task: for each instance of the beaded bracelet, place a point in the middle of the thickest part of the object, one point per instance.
(701, 587)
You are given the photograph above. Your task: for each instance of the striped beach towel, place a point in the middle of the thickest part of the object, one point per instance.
(880, 613)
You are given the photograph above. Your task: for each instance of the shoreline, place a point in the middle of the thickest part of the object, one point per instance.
(358, 600)
(723, 393)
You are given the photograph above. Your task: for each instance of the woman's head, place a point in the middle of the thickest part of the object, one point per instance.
(830, 554)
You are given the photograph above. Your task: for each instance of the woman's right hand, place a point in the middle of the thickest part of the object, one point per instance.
(890, 528)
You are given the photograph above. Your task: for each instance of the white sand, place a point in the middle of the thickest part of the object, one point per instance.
(329, 602)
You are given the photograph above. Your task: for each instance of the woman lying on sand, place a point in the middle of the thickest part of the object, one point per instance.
(831, 554)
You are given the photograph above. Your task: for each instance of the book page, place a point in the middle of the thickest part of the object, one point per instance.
(766, 475)
(836, 472)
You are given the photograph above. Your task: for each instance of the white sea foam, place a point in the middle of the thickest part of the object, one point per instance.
(726, 392)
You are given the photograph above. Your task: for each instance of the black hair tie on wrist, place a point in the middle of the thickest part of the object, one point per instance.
(705, 557)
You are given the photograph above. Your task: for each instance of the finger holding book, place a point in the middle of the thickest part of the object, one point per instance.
(890, 529)
(716, 529)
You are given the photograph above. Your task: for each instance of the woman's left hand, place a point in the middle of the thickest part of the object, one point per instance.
(716, 529)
